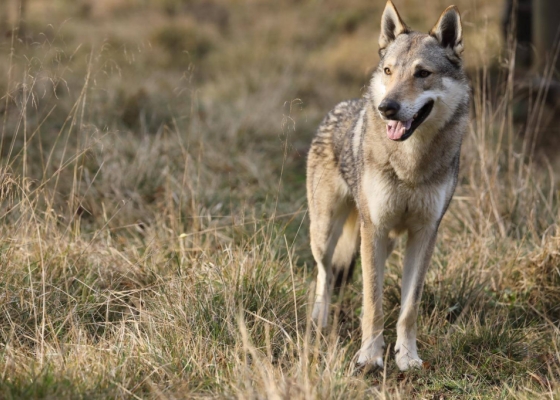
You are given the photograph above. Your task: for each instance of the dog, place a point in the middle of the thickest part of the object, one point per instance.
(385, 165)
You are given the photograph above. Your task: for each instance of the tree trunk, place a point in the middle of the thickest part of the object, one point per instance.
(4, 18)
(546, 33)
(22, 6)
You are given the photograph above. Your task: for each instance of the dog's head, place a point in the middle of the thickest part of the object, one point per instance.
(419, 83)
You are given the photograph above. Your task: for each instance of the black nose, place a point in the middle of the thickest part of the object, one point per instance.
(389, 108)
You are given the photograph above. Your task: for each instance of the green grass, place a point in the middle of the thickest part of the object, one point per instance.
(153, 234)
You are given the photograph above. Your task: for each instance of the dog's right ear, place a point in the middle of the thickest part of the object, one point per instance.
(391, 26)
(449, 32)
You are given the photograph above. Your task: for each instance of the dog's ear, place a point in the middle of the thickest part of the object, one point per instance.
(449, 31)
(391, 26)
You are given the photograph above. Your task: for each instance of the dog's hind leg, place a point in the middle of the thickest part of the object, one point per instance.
(344, 257)
(329, 209)
(327, 228)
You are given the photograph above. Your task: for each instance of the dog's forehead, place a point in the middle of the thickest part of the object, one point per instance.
(412, 48)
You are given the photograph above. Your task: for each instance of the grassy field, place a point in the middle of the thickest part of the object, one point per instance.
(154, 240)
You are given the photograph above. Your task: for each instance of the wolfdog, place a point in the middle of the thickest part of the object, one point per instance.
(387, 164)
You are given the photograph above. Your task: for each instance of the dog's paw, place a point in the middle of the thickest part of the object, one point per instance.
(407, 359)
(406, 363)
(371, 354)
(369, 365)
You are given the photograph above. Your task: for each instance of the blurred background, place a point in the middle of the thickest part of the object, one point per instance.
(239, 68)
(88, 75)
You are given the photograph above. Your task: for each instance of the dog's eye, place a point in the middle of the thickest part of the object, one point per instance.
(423, 73)
(387, 71)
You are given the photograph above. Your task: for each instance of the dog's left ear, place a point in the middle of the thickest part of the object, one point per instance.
(391, 26)
(449, 31)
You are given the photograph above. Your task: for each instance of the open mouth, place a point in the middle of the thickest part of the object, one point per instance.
(402, 130)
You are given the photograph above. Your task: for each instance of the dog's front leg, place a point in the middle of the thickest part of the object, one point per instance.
(374, 253)
(419, 250)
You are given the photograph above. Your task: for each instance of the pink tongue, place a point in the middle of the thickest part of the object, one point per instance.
(396, 129)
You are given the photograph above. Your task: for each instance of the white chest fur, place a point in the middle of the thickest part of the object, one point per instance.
(400, 207)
